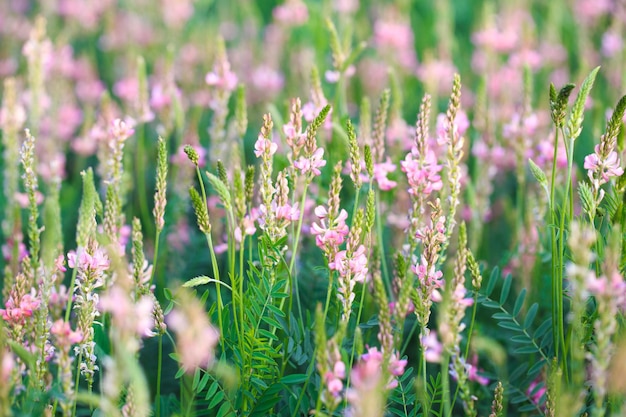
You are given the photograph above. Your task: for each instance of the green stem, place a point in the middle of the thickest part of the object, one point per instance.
(556, 256)
(70, 293)
(561, 249)
(76, 381)
(298, 230)
(469, 339)
(216, 271)
(379, 232)
(158, 381)
(424, 376)
(160, 279)
(140, 176)
(445, 385)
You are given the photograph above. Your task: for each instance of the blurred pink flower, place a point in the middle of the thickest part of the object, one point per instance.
(133, 318)
(196, 337)
(291, 13)
(64, 334)
(176, 12)
(16, 314)
(433, 349)
(267, 80)
(501, 41)
(381, 170)
(612, 43)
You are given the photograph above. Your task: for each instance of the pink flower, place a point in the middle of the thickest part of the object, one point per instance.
(267, 80)
(332, 76)
(605, 169)
(333, 378)
(64, 334)
(7, 365)
(460, 126)
(536, 391)
(472, 372)
(433, 349)
(292, 13)
(98, 262)
(16, 313)
(263, 145)
(423, 175)
(59, 262)
(226, 82)
(196, 337)
(132, 318)
(332, 235)
(248, 228)
(22, 199)
(356, 265)
(312, 164)
(381, 171)
(611, 43)
(121, 130)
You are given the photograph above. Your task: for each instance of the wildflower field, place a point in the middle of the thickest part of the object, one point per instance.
(312, 208)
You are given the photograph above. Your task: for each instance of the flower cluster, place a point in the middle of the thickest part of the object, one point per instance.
(196, 337)
(329, 232)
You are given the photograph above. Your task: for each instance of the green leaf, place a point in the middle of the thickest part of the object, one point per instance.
(509, 325)
(501, 316)
(537, 172)
(294, 379)
(575, 121)
(520, 338)
(493, 279)
(219, 396)
(212, 390)
(519, 302)
(196, 379)
(506, 288)
(616, 121)
(197, 281)
(530, 316)
(543, 328)
(526, 349)
(221, 189)
(225, 410)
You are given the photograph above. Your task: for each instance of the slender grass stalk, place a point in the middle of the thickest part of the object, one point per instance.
(158, 381)
(381, 245)
(216, 271)
(298, 229)
(556, 258)
(140, 175)
(445, 385)
(559, 282)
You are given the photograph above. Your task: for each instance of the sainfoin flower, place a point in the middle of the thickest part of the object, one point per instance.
(196, 337)
(356, 265)
(329, 235)
(130, 318)
(432, 347)
(263, 145)
(97, 263)
(64, 334)
(17, 312)
(381, 171)
(603, 168)
(333, 378)
(422, 174)
(312, 164)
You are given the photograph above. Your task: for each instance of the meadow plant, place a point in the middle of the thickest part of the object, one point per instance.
(296, 208)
